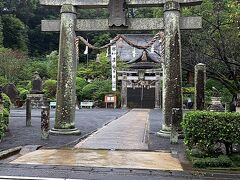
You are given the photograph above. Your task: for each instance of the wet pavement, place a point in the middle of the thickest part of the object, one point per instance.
(102, 158)
(129, 132)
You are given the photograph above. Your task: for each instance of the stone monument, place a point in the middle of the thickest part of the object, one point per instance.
(36, 84)
(200, 86)
(36, 95)
(11, 91)
(216, 101)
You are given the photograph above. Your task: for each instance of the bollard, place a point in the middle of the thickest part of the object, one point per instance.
(175, 121)
(45, 122)
(28, 112)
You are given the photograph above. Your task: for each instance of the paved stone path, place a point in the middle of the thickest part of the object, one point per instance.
(128, 132)
(102, 158)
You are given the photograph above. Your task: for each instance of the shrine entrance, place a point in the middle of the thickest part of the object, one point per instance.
(118, 20)
(141, 97)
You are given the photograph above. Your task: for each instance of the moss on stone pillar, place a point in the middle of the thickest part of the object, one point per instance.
(67, 66)
(172, 70)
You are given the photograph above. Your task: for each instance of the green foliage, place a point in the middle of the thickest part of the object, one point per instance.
(221, 161)
(11, 63)
(203, 130)
(217, 44)
(188, 90)
(4, 115)
(80, 83)
(2, 125)
(3, 81)
(6, 102)
(95, 70)
(52, 64)
(1, 33)
(50, 88)
(235, 159)
(225, 94)
(96, 90)
(88, 91)
(22, 93)
(32, 66)
(15, 33)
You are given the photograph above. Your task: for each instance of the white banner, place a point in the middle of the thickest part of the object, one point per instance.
(114, 66)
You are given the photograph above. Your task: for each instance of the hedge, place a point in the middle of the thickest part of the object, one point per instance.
(4, 115)
(205, 130)
(2, 125)
(221, 161)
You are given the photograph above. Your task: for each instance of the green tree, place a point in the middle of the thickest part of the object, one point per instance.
(14, 32)
(52, 64)
(11, 63)
(217, 44)
(1, 33)
(31, 66)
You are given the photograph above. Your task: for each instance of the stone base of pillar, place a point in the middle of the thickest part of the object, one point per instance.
(167, 134)
(164, 133)
(124, 107)
(74, 131)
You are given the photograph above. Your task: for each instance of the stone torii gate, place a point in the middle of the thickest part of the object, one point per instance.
(68, 25)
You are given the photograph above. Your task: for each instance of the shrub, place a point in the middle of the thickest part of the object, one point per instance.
(204, 130)
(88, 91)
(23, 93)
(80, 83)
(97, 90)
(50, 88)
(3, 81)
(236, 159)
(4, 115)
(221, 161)
(6, 102)
(2, 125)
(188, 90)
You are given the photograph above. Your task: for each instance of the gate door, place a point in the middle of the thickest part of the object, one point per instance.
(141, 97)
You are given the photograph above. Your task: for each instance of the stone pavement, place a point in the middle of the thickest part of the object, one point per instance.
(129, 132)
(102, 158)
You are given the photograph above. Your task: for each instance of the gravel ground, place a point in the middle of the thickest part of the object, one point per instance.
(87, 120)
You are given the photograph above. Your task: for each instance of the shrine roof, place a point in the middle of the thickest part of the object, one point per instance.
(126, 52)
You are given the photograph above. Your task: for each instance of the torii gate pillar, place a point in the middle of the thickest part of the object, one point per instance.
(67, 66)
(172, 75)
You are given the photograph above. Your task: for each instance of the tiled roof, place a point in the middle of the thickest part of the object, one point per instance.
(126, 52)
